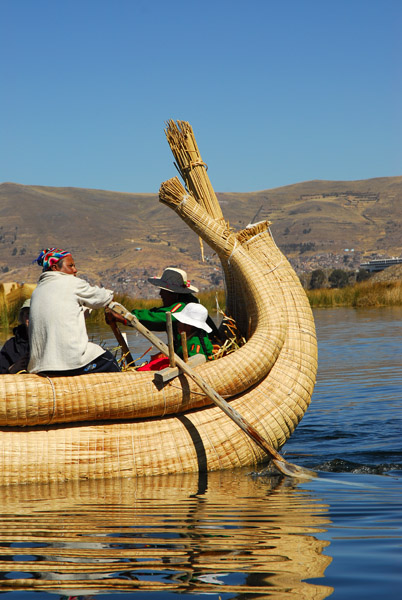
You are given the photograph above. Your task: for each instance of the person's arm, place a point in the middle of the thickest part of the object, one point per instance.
(20, 365)
(155, 321)
(153, 318)
(5, 359)
(92, 296)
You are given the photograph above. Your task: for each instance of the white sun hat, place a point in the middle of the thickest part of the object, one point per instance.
(194, 314)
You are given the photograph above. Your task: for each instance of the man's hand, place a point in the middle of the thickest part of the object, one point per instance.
(113, 317)
(20, 365)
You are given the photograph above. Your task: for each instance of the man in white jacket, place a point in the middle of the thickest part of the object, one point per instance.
(58, 336)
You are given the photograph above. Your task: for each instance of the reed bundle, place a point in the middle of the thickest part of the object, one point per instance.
(245, 234)
(173, 194)
(192, 168)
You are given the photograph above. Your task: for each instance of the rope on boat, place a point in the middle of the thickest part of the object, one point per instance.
(273, 269)
(193, 392)
(54, 399)
(184, 200)
(237, 247)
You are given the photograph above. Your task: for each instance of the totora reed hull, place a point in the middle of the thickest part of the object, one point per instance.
(125, 424)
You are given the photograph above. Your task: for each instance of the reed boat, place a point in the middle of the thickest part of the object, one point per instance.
(129, 423)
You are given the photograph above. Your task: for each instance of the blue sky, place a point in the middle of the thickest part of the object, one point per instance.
(277, 92)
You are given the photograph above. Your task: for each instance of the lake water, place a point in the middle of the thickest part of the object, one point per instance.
(240, 534)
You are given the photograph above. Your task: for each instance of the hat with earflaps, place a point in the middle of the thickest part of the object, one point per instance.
(173, 280)
(50, 256)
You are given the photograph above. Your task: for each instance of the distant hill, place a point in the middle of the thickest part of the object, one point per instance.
(118, 240)
(389, 274)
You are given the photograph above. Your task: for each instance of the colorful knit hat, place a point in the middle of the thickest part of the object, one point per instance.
(51, 256)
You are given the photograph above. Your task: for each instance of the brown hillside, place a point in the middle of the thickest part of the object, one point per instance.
(390, 274)
(313, 222)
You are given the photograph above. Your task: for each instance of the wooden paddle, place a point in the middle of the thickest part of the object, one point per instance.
(281, 464)
(120, 340)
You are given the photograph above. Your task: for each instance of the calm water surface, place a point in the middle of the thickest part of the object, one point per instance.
(239, 534)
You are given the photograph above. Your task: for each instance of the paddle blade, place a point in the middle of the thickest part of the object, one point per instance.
(291, 470)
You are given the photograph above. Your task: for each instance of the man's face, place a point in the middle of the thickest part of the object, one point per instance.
(24, 317)
(67, 266)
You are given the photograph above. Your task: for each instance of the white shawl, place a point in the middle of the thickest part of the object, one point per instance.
(57, 331)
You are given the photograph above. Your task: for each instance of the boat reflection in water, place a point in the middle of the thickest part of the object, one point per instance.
(224, 532)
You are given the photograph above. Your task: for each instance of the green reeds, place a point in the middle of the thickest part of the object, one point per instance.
(210, 298)
(360, 295)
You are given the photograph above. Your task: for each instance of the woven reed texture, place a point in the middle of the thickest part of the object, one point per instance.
(193, 170)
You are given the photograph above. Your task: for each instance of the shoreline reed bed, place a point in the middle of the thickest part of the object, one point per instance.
(360, 295)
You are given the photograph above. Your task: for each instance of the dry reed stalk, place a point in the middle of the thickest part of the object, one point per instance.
(125, 365)
(202, 250)
(234, 339)
(173, 194)
(192, 168)
(245, 234)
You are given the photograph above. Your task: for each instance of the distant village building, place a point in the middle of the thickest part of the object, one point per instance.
(379, 264)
